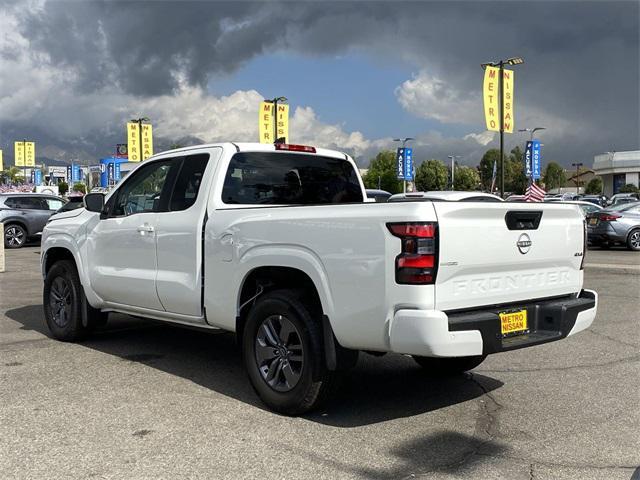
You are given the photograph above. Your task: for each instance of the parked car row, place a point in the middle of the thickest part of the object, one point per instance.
(24, 215)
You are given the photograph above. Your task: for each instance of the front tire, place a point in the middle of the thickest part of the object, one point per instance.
(15, 236)
(62, 299)
(283, 353)
(445, 367)
(633, 240)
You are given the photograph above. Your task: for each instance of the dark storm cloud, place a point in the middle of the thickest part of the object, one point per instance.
(581, 57)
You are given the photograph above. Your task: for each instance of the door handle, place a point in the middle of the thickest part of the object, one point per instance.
(146, 228)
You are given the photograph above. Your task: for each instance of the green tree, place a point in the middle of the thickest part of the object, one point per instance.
(553, 176)
(594, 186)
(79, 187)
(432, 175)
(382, 173)
(466, 178)
(63, 187)
(629, 188)
(12, 175)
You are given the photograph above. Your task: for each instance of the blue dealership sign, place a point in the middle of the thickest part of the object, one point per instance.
(536, 158)
(69, 178)
(76, 173)
(116, 172)
(38, 177)
(527, 160)
(400, 164)
(408, 164)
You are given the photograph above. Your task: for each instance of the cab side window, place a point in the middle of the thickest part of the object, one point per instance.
(144, 190)
(185, 191)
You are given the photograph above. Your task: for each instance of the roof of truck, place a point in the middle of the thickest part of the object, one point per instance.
(256, 147)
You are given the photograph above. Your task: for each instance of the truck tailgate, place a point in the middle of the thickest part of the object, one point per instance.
(497, 253)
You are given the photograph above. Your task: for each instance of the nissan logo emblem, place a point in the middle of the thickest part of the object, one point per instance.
(523, 243)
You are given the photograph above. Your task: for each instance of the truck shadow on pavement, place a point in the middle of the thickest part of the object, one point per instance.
(378, 389)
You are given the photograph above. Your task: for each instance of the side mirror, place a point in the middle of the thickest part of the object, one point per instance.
(94, 202)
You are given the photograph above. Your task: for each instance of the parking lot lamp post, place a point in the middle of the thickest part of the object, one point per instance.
(453, 167)
(577, 165)
(500, 64)
(404, 142)
(275, 116)
(139, 122)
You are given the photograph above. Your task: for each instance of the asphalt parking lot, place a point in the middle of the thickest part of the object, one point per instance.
(143, 400)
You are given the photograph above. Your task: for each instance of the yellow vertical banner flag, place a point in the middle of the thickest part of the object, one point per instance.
(133, 142)
(282, 120)
(507, 98)
(490, 96)
(1, 161)
(29, 154)
(265, 122)
(18, 151)
(147, 141)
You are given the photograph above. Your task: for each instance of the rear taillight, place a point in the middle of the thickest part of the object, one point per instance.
(417, 264)
(295, 148)
(608, 217)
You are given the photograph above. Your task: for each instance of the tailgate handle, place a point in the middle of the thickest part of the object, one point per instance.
(523, 219)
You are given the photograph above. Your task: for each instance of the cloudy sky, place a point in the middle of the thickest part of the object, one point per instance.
(357, 74)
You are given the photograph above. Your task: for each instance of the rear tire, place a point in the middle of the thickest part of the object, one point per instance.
(15, 236)
(282, 351)
(633, 240)
(444, 367)
(62, 299)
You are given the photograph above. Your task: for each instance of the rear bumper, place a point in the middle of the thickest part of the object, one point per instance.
(434, 333)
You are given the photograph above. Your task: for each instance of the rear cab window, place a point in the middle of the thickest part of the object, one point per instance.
(276, 178)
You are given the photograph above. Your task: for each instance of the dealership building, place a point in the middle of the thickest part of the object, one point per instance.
(617, 169)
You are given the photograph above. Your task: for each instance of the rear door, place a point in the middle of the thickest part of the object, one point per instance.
(500, 253)
(37, 213)
(179, 235)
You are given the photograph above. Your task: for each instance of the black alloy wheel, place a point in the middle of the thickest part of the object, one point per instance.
(279, 353)
(60, 301)
(282, 350)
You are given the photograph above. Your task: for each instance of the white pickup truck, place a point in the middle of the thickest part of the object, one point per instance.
(277, 244)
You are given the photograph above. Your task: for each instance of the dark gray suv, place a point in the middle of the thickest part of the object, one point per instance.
(25, 214)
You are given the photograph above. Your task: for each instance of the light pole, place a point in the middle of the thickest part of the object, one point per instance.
(500, 64)
(275, 117)
(404, 142)
(577, 165)
(139, 122)
(453, 167)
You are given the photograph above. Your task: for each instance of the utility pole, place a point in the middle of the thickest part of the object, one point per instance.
(577, 165)
(453, 168)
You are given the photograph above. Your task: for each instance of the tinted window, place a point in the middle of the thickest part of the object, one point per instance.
(188, 182)
(28, 203)
(270, 178)
(143, 189)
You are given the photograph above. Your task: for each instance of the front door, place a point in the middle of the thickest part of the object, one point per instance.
(122, 245)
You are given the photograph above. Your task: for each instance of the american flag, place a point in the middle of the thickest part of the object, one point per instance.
(534, 193)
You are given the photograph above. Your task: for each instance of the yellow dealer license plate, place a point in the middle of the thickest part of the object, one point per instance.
(514, 322)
